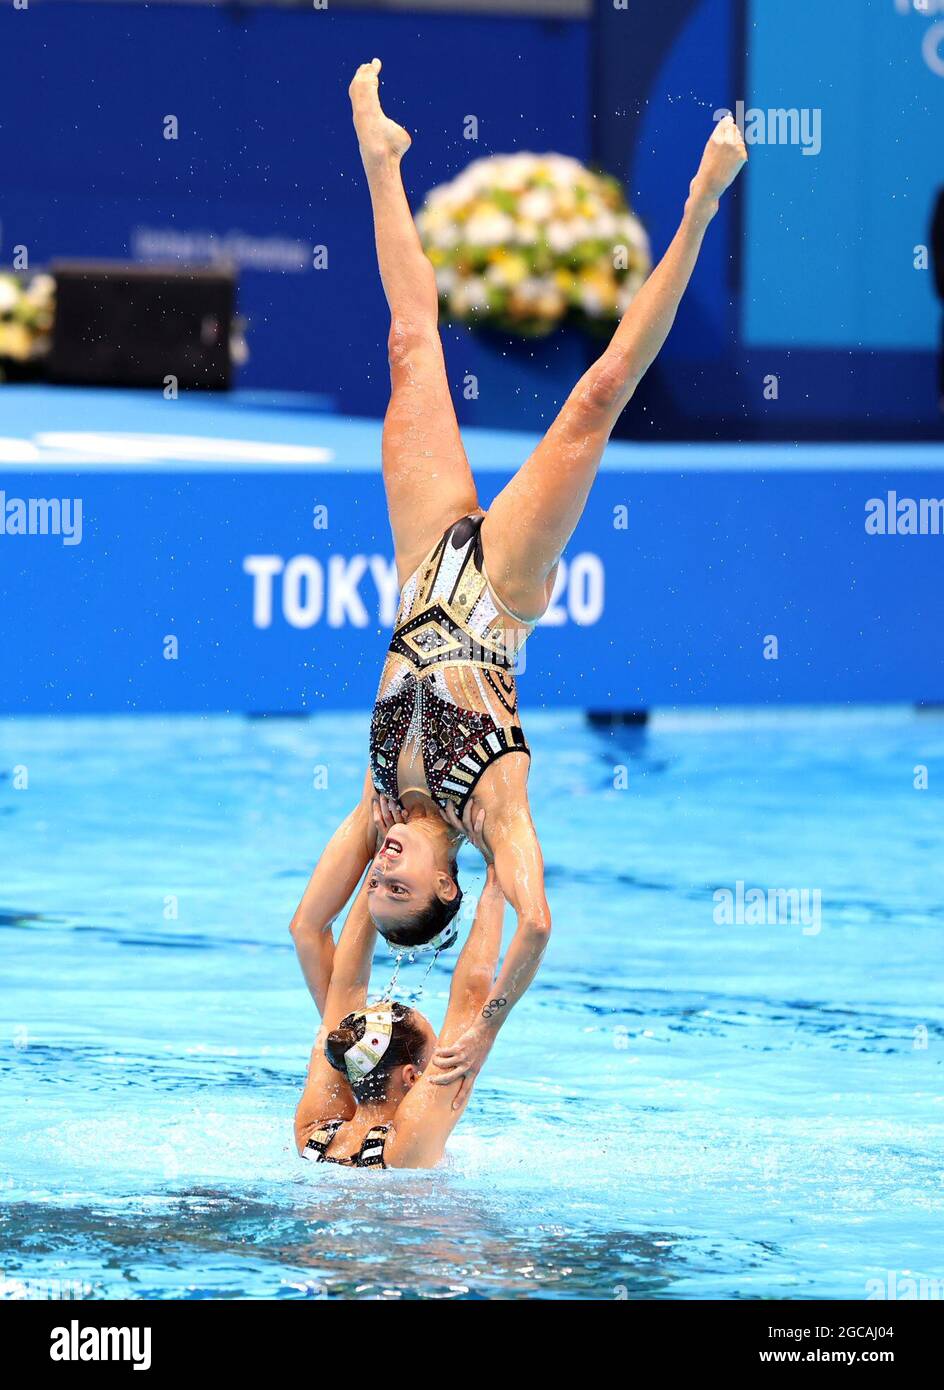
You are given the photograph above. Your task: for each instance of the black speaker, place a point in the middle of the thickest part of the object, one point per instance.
(133, 325)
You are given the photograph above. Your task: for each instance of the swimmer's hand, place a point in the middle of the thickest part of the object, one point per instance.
(724, 158)
(472, 825)
(463, 1059)
(387, 813)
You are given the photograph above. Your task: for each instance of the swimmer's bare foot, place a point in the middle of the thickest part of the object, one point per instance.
(380, 138)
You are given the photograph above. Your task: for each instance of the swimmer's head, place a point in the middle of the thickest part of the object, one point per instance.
(383, 1050)
(413, 892)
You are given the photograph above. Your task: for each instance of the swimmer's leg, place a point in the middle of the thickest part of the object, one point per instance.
(533, 518)
(426, 473)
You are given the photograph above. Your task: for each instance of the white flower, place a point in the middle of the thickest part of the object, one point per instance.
(542, 294)
(537, 204)
(441, 196)
(603, 226)
(444, 236)
(563, 236)
(41, 287)
(529, 209)
(446, 279)
(474, 179)
(489, 229)
(631, 230)
(513, 171)
(591, 298)
(564, 170)
(469, 295)
(9, 293)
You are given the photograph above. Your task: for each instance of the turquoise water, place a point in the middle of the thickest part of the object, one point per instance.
(679, 1108)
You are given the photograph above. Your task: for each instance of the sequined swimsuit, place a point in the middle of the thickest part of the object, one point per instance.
(447, 690)
(369, 1155)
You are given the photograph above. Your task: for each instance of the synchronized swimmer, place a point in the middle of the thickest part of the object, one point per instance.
(448, 759)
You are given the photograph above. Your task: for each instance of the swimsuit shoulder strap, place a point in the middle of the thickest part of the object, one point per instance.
(372, 1149)
(317, 1145)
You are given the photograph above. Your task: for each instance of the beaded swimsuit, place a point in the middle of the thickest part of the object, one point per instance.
(369, 1155)
(448, 686)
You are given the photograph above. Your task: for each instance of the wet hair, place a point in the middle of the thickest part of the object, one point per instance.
(406, 1047)
(427, 922)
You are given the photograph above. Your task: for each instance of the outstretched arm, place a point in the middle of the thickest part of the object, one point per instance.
(327, 1094)
(510, 839)
(334, 879)
(428, 1115)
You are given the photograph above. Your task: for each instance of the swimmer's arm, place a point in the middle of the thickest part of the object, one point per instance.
(335, 878)
(327, 1094)
(353, 956)
(505, 834)
(429, 1113)
(519, 866)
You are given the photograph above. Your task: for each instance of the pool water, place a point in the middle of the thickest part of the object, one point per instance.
(680, 1108)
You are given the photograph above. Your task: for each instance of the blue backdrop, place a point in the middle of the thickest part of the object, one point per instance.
(811, 277)
(199, 524)
(867, 197)
(266, 159)
(825, 297)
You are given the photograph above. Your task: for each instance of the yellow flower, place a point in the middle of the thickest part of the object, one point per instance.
(15, 341)
(529, 239)
(597, 291)
(507, 268)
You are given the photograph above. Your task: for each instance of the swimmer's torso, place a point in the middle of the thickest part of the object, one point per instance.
(447, 706)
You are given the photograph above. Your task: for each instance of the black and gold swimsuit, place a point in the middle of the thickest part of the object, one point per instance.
(369, 1155)
(448, 685)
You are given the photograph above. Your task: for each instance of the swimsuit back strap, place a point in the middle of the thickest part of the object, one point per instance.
(317, 1145)
(372, 1149)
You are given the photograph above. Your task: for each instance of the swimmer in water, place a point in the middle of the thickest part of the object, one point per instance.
(369, 1101)
(446, 742)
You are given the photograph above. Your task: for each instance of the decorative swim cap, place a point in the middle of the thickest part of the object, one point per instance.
(374, 1026)
(440, 942)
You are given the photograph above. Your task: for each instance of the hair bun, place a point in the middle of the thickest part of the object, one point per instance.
(338, 1041)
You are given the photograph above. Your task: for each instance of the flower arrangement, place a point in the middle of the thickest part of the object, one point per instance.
(525, 242)
(27, 308)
